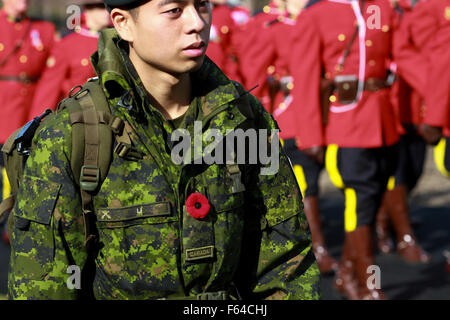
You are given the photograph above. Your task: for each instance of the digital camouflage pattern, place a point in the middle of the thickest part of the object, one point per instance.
(253, 243)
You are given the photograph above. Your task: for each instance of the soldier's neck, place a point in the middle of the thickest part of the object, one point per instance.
(168, 93)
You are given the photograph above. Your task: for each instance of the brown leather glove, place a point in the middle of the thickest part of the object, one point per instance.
(431, 134)
(316, 153)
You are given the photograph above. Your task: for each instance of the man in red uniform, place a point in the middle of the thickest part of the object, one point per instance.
(225, 23)
(348, 43)
(24, 48)
(306, 169)
(69, 64)
(423, 56)
(240, 16)
(412, 148)
(25, 45)
(257, 52)
(438, 100)
(435, 18)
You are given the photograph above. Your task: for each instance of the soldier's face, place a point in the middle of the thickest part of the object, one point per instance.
(16, 7)
(169, 35)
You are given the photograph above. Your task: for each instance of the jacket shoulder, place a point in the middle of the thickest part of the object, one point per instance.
(55, 131)
(253, 109)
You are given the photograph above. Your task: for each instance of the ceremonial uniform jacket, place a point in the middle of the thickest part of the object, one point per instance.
(437, 99)
(68, 65)
(411, 68)
(322, 35)
(20, 67)
(226, 23)
(255, 235)
(219, 40)
(408, 104)
(407, 101)
(283, 34)
(256, 53)
(435, 15)
(240, 16)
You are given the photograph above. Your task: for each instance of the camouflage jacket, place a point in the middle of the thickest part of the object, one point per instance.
(254, 243)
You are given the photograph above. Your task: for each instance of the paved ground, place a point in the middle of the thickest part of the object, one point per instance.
(430, 213)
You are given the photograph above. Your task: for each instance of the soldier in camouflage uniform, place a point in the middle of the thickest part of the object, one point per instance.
(254, 241)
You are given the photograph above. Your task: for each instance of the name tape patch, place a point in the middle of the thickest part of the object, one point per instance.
(199, 253)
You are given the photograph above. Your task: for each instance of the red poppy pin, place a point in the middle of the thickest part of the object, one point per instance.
(197, 205)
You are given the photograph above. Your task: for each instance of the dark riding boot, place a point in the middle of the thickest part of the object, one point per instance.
(361, 241)
(407, 246)
(327, 264)
(382, 227)
(345, 281)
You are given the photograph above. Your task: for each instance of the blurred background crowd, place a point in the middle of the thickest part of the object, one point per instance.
(359, 89)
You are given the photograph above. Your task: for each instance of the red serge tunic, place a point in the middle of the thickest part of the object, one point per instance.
(257, 53)
(70, 65)
(226, 24)
(407, 101)
(321, 36)
(27, 62)
(437, 93)
(422, 49)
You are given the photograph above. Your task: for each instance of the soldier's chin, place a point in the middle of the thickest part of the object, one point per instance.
(184, 67)
(197, 63)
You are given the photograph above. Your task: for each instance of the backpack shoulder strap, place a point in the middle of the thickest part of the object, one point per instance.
(90, 118)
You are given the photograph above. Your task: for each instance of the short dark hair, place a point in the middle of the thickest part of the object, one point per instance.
(134, 12)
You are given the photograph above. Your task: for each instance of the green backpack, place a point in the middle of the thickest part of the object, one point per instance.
(93, 128)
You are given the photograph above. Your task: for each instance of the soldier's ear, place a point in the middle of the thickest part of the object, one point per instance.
(123, 23)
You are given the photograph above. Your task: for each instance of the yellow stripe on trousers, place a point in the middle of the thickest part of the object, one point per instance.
(331, 165)
(350, 216)
(6, 185)
(391, 183)
(301, 180)
(439, 157)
